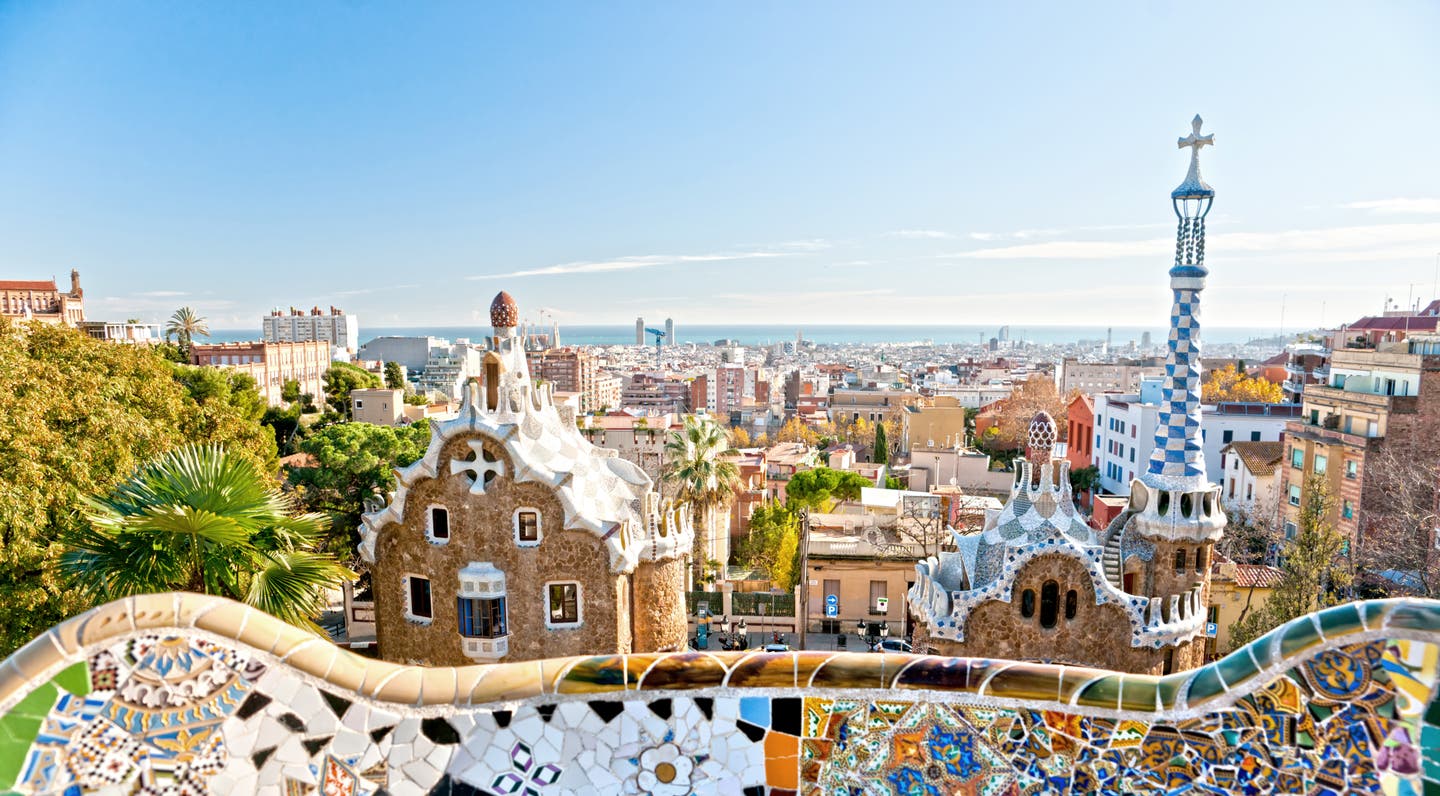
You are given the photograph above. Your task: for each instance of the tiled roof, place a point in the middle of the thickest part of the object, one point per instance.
(27, 284)
(1260, 576)
(1413, 323)
(1260, 458)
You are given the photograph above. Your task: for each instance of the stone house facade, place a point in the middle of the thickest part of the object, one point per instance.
(514, 538)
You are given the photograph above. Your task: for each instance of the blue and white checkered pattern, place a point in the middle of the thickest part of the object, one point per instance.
(1178, 457)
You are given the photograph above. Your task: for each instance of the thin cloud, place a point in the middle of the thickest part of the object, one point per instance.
(1027, 234)
(367, 290)
(919, 234)
(1396, 206)
(792, 298)
(162, 293)
(810, 245)
(1340, 243)
(631, 264)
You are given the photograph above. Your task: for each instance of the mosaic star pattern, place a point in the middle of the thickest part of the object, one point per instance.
(183, 694)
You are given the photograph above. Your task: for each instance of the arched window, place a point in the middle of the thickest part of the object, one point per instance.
(492, 383)
(1049, 603)
(1180, 562)
(1200, 560)
(1027, 603)
(1072, 602)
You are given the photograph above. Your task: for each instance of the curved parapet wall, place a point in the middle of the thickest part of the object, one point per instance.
(186, 693)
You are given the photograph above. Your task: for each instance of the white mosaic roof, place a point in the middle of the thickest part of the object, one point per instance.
(599, 492)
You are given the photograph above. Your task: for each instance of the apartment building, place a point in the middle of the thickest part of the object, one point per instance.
(1125, 423)
(656, 393)
(1376, 398)
(271, 364)
(335, 327)
(1305, 364)
(938, 422)
(1119, 376)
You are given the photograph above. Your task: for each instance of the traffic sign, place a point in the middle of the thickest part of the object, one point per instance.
(882, 604)
(832, 610)
(832, 599)
(1211, 629)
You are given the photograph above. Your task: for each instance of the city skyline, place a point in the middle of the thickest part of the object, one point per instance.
(789, 164)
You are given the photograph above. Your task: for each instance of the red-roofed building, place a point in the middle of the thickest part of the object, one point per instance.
(1392, 327)
(1236, 590)
(42, 300)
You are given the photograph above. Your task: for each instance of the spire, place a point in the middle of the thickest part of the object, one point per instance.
(1178, 461)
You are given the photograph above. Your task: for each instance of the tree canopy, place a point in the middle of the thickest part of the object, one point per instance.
(1229, 384)
(772, 544)
(814, 489)
(77, 416)
(354, 461)
(340, 379)
(1035, 394)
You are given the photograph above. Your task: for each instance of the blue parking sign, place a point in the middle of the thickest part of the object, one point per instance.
(832, 610)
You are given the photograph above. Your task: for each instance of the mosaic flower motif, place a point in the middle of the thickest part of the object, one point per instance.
(665, 771)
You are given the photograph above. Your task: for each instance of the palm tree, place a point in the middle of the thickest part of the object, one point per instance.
(702, 478)
(204, 520)
(184, 326)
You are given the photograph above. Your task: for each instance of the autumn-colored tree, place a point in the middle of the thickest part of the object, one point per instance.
(1229, 384)
(771, 543)
(739, 438)
(1033, 395)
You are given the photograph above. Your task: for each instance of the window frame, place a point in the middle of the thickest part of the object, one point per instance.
(430, 535)
(579, 605)
(1297, 458)
(408, 585)
(1320, 464)
(482, 610)
(539, 526)
(1293, 496)
(1072, 604)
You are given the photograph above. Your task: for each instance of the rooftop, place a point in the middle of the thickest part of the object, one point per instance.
(1260, 458)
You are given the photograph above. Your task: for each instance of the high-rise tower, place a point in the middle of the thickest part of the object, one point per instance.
(639, 331)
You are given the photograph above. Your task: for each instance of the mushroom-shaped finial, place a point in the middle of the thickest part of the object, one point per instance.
(504, 314)
(1042, 436)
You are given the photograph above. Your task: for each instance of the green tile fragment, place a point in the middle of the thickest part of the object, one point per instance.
(21, 726)
(75, 679)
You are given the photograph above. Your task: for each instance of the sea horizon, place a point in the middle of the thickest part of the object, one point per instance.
(828, 334)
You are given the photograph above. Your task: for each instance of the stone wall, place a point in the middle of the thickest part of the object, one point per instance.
(482, 529)
(1098, 635)
(190, 694)
(661, 624)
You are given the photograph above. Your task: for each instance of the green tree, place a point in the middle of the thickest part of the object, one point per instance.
(290, 391)
(695, 464)
(1316, 575)
(353, 461)
(882, 446)
(184, 326)
(340, 380)
(394, 376)
(771, 544)
(815, 489)
(202, 520)
(77, 415)
(228, 409)
(1085, 479)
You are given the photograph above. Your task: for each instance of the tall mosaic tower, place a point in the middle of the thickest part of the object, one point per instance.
(1178, 461)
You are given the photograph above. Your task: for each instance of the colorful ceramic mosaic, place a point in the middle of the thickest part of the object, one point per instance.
(183, 694)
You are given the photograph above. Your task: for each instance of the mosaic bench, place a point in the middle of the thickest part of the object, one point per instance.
(187, 694)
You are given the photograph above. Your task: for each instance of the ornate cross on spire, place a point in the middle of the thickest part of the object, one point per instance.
(1193, 185)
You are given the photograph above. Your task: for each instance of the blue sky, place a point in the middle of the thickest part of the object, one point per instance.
(815, 163)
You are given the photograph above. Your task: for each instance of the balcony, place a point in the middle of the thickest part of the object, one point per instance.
(1303, 429)
(1335, 396)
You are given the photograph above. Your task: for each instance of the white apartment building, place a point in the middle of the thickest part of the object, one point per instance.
(335, 327)
(1125, 432)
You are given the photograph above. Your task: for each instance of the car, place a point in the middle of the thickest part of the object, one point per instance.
(777, 647)
(893, 645)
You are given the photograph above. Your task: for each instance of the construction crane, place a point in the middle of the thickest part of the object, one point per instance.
(659, 341)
